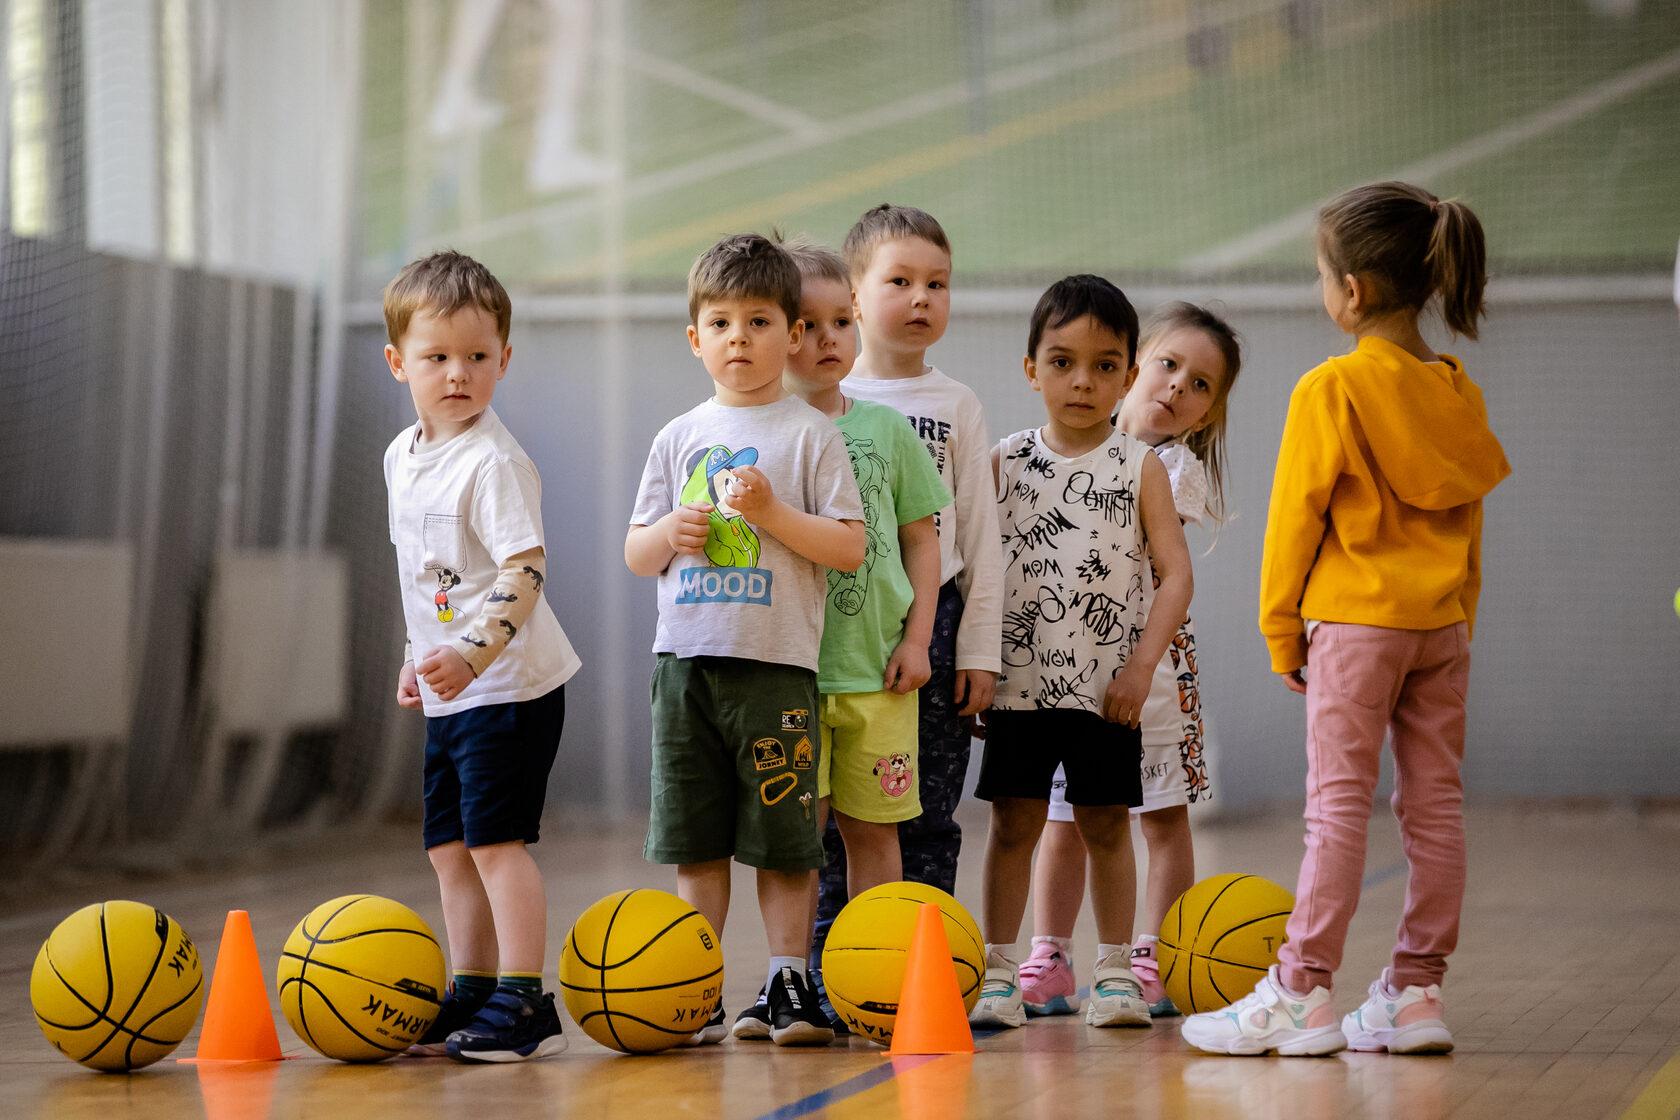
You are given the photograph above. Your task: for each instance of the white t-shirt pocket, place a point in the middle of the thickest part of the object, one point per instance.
(442, 538)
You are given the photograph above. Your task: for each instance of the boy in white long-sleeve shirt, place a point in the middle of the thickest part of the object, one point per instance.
(900, 262)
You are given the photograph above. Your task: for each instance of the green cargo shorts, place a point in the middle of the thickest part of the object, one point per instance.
(735, 749)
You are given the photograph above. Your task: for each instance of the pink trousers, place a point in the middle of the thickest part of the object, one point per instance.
(1363, 681)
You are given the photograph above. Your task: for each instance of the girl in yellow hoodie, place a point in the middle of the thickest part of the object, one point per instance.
(1368, 587)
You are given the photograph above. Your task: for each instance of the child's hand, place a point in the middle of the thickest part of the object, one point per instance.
(908, 668)
(973, 693)
(685, 528)
(1295, 680)
(408, 687)
(1123, 700)
(446, 672)
(750, 493)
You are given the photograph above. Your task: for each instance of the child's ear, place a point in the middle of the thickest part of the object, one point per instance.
(694, 339)
(857, 312)
(1357, 292)
(1131, 376)
(796, 334)
(393, 358)
(1030, 368)
(507, 352)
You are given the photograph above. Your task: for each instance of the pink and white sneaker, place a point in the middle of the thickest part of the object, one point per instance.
(1409, 1021)
(1147, 968)
(1269, 1019)
(1048, 986)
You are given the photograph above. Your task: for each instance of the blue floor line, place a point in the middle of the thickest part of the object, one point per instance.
(852, 1086)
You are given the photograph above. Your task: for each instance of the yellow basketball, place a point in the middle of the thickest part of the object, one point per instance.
(361, 978)
(641, 971)
(117, 985)
(869, 945)
(1219, 938)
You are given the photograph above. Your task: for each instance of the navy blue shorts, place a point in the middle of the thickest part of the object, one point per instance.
(1103, 760)
(487, 771)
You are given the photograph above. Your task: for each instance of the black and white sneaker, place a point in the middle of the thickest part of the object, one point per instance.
(795, 1018)
(834, 1019)
(714, 1032)
(753, 1024)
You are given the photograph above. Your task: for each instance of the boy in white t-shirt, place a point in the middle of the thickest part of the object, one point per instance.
(900, 264)
(486, 661)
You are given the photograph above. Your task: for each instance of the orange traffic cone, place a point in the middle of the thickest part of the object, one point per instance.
(238, 1025)
(931, 1017)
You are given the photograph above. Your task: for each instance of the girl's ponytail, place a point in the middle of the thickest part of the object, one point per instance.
(1457, 260)
(1410, 246)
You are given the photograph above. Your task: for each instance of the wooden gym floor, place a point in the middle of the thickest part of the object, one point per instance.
(1564, 998)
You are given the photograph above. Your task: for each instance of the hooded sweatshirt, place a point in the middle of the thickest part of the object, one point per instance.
(1376, 510)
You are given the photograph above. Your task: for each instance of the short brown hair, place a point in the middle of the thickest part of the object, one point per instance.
(887, 222)
(814, 259)
(744, 266)
(1411, 247)
(443, 283)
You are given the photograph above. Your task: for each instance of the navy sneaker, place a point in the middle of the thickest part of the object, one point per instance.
(795, 1018)
(753, 1024)
(509, 1028)
(453, 1015)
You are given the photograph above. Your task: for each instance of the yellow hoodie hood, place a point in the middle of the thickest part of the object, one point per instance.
(1376, 509)
(1426, 425)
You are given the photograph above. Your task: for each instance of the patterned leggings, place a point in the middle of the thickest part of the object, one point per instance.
(928, 843)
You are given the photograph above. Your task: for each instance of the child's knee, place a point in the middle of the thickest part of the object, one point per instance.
(1104, 828)
(1165, 825)
(1017, 821)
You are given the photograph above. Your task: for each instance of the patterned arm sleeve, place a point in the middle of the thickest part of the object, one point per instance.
(511, 600)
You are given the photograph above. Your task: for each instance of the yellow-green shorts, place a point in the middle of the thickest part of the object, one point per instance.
(867, 766)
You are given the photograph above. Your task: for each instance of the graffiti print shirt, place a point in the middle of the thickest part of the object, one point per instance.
(456, 512)
(750, 595)
(1074, 569)
(864, 620)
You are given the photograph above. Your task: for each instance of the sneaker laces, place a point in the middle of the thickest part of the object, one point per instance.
(998, 982)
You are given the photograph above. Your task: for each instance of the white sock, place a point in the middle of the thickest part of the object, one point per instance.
(1010, 952)
(1064, 944)
(1105, 950)
(779, 963)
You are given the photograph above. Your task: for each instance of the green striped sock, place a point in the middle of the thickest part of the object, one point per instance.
(526, 984)
(473, 988)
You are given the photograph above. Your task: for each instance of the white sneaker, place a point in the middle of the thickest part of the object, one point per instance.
(1116, 996)
(1268, 1019)
(1000, 996)
(1406, 1022)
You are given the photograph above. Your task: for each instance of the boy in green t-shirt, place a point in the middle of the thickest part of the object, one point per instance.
(878, 620)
